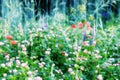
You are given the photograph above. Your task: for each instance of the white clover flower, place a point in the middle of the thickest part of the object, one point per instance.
(97, 56)
(70, 70)
(99, 77)
(1, 43)
(82, 68)
(96, 71)
(72, 73)
(94, 43)
(81, 78)
(7, 57)
(2, 65)
(75, 47)
(79, 48)
(3, 79)
(4, 74)
(38, 78)
(70, 46)
(25, 65)
(15, 70)
(97, 51)
(29, 73)
(10, 71)
(47, 52)
(85, 51)
(98, 66)
(18, 62)
(48, 49)
(67, 39)
(30, 78)
(75, 53)
(66, 54)
(41, 65)
(9, 64)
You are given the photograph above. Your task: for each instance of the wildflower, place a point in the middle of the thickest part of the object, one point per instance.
(15, 70)
(1, 43)
(97, 51)
(99, 77)
(17, 62)
(3, 79)
(96, 71)
(29, 78)
(9, 37)
(80, 25)
(23, 48)
(73, 26)
(4, 74)
(94, 43)
(38, 78)
(82, 68)
(3, 65)
(41, 64)
(47, 52)
(70, 70)
(85, 51)
(85, 43)
(13, 42)
(7, 57)
(29, 73)
(97, 56)
(25, 65)
(9, 64)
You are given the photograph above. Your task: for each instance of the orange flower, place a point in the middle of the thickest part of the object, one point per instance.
(13, 42)
(9, 37)
(73, 26)
(80, 25)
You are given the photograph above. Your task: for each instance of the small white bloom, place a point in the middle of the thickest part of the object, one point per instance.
(97, 51)
(30, 78)
(41, 65)
(2, 65)
(38, 78)
(99, 77)
(4, 74)
(66, 54)
(1, 43)
(3, 79)
(82, 68)
(29, 73)
(9, 64)
(47, 52)
(17, 62)
(14, 70)
(85, 51)
(96, 71)
(98, 66)
(70, 70)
